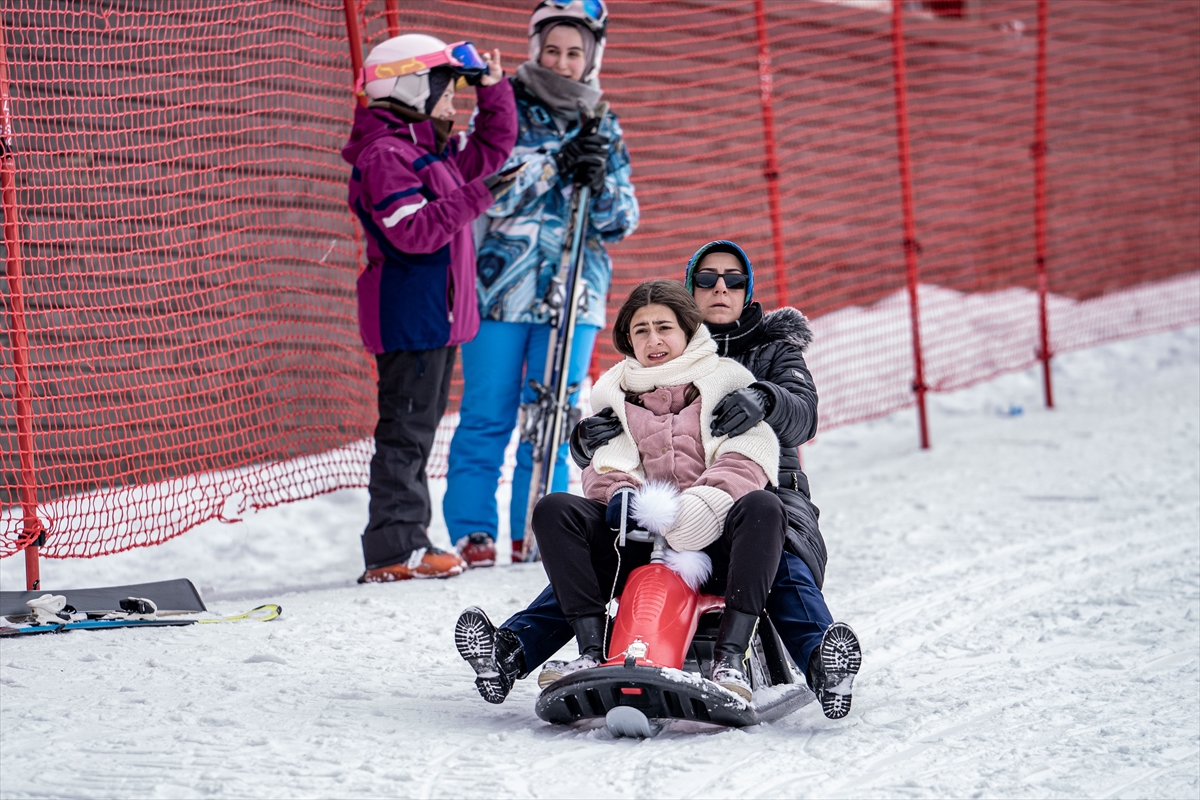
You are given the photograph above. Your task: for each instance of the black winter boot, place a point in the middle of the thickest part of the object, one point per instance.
(589, 633)
(729, 652)
(494, 654)
(832, 667)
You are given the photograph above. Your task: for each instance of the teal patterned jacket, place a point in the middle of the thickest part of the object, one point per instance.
(519, 240)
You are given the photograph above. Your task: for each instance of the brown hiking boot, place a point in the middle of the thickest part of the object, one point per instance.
(423, 563)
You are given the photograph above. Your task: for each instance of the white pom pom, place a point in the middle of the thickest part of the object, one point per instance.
(694, 566)
(655, 505)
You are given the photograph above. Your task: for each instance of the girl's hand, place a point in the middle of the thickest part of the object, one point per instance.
(495, 71)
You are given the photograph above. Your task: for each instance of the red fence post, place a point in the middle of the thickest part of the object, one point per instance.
(771, 173)
(391, 10)
(910, 229)
(354, 35)
(1039, 202)
(32, 537)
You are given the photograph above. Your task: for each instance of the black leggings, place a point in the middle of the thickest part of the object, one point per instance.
(580, 558)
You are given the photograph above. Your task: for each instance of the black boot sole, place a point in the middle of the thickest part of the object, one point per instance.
(475, 638)
(841, 658)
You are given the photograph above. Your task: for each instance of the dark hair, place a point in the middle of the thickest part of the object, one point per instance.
(439, 79)
(664, 293)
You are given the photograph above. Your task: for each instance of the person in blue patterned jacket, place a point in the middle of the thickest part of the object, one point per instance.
(520, 250)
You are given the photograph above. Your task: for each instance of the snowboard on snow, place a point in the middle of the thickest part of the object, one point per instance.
(160, 604)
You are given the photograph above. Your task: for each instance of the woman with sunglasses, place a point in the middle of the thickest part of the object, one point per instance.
(771, 346)
(416, 192)
(522, 241)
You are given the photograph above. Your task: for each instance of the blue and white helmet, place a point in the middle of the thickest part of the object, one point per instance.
(592, 14)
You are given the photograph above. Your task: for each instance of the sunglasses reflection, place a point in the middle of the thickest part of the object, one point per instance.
(708, 280)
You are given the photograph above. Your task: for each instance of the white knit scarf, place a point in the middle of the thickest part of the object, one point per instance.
(713, 376)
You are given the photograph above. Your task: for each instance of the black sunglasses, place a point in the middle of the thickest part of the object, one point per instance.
(733, 280)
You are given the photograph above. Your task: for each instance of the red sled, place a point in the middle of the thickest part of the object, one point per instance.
(661, 647)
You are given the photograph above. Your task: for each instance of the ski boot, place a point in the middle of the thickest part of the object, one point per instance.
(425, 562)
(477, 550)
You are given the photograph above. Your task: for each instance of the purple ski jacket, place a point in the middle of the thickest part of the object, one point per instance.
(416, 207)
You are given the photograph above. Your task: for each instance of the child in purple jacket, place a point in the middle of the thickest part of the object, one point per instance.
(416, 191)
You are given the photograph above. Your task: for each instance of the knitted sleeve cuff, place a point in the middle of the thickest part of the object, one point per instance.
(700, 519)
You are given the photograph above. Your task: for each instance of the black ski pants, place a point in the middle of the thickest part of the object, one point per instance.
(579, 553)
(414, 387)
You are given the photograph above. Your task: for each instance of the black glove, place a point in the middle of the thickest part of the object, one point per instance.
(583, 157)
(590, 172)
(612, 514)
(591, 433)
(741, 410)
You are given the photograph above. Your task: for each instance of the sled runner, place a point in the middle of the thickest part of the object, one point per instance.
(661, 647)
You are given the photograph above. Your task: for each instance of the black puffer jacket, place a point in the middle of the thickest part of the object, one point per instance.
(772, 347)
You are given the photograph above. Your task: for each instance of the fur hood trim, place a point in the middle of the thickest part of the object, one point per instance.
(789, 324)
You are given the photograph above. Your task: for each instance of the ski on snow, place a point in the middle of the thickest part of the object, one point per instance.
(263, 613)
(146, 605)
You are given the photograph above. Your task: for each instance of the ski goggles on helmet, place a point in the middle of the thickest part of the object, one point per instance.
(733, 280)
(591, 12)
(461, 57)
(592, 9)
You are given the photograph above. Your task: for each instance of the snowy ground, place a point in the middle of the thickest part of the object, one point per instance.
(1027, 592)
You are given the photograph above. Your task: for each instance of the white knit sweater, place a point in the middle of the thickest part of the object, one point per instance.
(702, 509)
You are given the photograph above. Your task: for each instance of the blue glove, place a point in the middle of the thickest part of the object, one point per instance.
(614, 513)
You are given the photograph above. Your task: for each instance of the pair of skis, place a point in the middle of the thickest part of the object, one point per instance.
(546, 422)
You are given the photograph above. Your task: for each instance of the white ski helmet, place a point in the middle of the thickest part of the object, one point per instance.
(592, 14)
(413, 89)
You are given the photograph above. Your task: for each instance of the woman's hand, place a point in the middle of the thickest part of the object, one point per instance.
(595, 431)
(495, 71)
(740, 410)
(584, 159)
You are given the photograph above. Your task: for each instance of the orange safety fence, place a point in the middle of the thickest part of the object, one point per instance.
(181, 338)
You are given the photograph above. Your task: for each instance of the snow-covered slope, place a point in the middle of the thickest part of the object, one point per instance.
(1027, 593)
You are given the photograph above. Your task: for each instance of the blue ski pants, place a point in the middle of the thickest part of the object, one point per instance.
(795, 605)
(497, 365)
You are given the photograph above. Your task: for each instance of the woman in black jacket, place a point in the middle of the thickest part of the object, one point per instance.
(771, 346)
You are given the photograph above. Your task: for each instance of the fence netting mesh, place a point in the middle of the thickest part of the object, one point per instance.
(187, 263)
